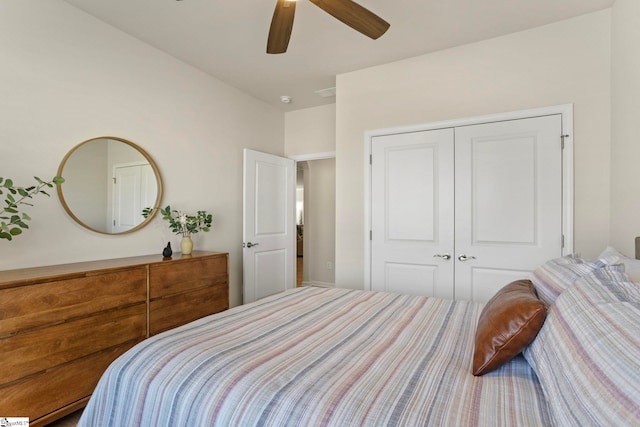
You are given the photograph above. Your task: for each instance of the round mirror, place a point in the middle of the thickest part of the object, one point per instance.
(108, 182)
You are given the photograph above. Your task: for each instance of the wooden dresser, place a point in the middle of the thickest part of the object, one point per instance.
(61, 326)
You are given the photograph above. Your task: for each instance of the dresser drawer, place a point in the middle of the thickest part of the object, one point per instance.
(176, 310)
(62, 325)
(39, 395)
(26, 307)
(174, 278)
(40, 349)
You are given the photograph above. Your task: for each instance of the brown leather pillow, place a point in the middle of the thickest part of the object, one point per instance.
(507, 324)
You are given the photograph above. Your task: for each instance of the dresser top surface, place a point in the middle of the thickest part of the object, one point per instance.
(80, 269)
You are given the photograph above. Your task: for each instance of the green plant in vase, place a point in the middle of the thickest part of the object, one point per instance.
(12, 219)
(184, 224)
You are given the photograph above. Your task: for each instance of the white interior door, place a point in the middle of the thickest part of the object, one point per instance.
(508, 202)
(148, 186)
(489, 197)
(135, 188)
(268, 225)
(413, 213)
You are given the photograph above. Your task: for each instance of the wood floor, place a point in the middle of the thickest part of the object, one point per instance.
(69, 421)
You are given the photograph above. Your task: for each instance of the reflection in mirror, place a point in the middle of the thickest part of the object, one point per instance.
(108, 181)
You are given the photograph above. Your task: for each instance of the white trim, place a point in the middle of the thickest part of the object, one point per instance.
(314, 156)
(567, 180)
(499, 117)
(566, 112)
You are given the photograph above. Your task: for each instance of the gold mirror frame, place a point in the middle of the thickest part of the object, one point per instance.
(144, 154)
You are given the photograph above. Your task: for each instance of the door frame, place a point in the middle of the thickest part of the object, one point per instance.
(566, 112)
(303, 158)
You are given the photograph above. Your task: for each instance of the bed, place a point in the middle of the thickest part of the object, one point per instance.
(338, 357)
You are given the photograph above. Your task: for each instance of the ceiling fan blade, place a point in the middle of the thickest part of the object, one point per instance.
(281, 26)
(355, 16)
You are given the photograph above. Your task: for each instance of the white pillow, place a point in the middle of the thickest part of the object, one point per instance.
(631, 266)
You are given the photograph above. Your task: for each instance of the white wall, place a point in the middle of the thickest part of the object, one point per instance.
(66, 77)
(625, 122)
(310, 131)
(566, 62)
(320, 224)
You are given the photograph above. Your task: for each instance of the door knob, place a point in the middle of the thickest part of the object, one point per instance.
(250, 245)
(464, 257)
(443, 256)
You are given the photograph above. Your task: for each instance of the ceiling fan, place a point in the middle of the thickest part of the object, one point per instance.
(347, 11)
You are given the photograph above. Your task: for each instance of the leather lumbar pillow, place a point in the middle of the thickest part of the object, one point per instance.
(507, 324)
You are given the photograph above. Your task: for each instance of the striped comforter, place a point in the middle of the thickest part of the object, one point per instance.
(318, 357)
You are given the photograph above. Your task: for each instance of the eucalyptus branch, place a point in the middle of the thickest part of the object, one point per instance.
(183, 223)
(12, 221)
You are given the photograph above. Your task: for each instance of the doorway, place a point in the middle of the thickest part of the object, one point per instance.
(315, 222)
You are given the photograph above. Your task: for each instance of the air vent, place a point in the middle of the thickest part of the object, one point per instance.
(326, 93)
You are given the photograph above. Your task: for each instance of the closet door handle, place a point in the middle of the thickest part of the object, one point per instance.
(464, 257)
(446, 257)
(250, 245)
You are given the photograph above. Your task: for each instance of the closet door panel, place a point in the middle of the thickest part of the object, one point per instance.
(412, 213)
(410, 192)
(412, 279)
(508, 202)
(504, 187)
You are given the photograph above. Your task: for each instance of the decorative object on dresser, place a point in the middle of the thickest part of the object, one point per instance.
(167, 251)
(14, 197)
(61, 326)
(184, 224)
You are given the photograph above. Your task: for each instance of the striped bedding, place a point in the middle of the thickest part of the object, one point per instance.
(318, 357)
(587, 354)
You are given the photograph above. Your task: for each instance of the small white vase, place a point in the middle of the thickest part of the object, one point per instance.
(186, 245)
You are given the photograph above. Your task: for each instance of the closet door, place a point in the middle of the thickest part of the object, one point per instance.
(412, 213)
(508, 202)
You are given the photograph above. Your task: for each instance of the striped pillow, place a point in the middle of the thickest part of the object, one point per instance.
(557, 275)
(587, 354)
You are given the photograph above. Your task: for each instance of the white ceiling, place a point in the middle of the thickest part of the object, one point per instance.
(227, 39)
